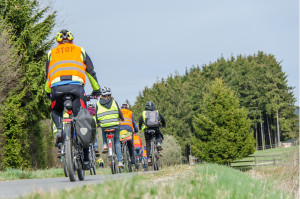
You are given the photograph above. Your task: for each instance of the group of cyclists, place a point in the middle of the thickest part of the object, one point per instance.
(66, 68)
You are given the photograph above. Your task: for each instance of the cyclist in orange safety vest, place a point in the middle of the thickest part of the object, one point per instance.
(137, 143)
(66, 68)
(129, 125)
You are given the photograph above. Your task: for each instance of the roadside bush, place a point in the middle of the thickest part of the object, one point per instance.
(171, 152)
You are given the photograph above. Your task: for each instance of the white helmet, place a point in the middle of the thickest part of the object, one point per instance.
(105, 91)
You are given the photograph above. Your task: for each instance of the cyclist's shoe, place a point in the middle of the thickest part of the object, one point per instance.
(104, 148)
(149, 162)
(121, 165)
(97, 153)
(160, 154)
(58, 136)
(159, 147)
(86, 165)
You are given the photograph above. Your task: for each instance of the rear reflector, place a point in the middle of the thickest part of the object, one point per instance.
(69, 112)
(110, 136)
(67, 120)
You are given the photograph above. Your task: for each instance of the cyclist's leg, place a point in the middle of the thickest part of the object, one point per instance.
(118, 143)
(148, 143)
(131, 151)
(104, 141)
(57, 107)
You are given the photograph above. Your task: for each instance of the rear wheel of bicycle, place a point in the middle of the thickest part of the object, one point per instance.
(65, 166)
(94, 170)
(112, 165)
(128, 160)
(69, 160)
(153, 159)
(80, 172)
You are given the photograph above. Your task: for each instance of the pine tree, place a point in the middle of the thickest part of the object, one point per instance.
(26, 104)
(222, 129)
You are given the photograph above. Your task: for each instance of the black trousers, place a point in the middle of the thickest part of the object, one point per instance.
(148, 137)
(57, 105)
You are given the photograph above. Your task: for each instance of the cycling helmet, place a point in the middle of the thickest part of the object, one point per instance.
(125, 105)
(105, 91)
(150, 106)
(64, 35)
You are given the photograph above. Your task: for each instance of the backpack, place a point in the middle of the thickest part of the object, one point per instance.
(85, 126)
(152, 119)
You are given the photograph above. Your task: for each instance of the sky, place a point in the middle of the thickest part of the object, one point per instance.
(135, 43)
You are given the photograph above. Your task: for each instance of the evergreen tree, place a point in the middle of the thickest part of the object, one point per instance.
(222, 129)
(26, 105)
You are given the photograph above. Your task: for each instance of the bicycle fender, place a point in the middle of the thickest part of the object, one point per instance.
(67, 130)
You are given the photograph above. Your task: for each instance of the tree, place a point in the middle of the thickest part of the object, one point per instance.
(222, 128)
(26, 105)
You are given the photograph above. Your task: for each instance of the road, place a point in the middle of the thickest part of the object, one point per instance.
(17, 188)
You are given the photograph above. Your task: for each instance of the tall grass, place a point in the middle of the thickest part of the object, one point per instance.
(202, 181)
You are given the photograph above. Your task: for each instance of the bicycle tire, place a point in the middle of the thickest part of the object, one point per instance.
(112, 165)
(80, 172)
(153, 159)
(129, 160)
(65, 167)
(125, 158)
(94, 170)
(69, 155)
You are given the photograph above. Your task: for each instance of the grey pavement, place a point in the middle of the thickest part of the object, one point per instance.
(17, 188)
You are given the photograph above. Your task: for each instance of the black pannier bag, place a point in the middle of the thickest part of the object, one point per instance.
(85, 126)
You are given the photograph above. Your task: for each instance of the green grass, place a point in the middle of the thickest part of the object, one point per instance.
(200, 181)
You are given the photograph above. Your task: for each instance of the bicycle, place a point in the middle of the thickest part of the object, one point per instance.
(73, 152)
(92, 156)
(154, 155)
(112, 151)
(126, 155)
(63, 160)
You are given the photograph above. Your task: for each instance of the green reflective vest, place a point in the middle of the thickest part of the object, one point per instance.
(144, 120)
(108, 117)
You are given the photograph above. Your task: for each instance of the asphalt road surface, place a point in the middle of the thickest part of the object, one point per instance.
(17, 188)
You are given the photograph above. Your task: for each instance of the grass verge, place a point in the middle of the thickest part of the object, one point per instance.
(200, 181)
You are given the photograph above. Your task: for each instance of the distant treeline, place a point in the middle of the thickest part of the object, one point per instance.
(257, 80)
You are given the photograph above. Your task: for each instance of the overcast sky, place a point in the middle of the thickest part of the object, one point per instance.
(132, 43)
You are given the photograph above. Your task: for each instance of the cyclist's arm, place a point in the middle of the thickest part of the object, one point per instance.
(140, 122)
(134, 125)
(91, 74)
(162, 119)
(47, 88)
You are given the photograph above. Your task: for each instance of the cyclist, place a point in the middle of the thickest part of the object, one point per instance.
(108, 114)
(142, 125)
(143, 154)
(129, 125)
(66, 67)
(91, 107)
(137, 142)
(100, 162)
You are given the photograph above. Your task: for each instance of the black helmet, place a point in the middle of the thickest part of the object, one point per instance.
(150, 106)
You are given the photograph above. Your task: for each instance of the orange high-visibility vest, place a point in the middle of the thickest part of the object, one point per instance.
(137, 142)
(144, 153)
(127, 114)
(66, 59)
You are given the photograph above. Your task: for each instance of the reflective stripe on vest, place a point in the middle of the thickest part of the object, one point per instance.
(127, 114)
(66, 61)
(108, 117)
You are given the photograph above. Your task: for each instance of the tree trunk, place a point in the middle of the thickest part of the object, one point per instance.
(278, 130)
(269, 132)
(262, 134)
(256, 137)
